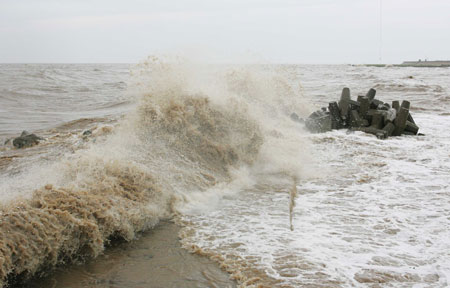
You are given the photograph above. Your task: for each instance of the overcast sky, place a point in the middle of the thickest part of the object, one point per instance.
(280, 31)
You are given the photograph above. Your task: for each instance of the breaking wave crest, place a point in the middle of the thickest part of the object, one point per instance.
(64, 224)
(192, 129)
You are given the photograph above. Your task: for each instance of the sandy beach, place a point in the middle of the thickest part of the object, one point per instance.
(155, 259)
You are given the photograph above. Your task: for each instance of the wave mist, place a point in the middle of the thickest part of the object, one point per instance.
(192, 129)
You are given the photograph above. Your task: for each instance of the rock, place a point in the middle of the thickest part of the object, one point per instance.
(408, 133)
(410, 119)
(316, 114)
(335, 113)
(354, 104)
(364, 106)
(377, 120)
(345, 95)
(390, 115)
(381, 134)
(26, 140)
(89, 132)
(321, 124)
(406, 104)
(382, 107)
(375, 103)
(400, 121)
(25, 133)
(344, 103)
(370, 114)
(371, 94)
(411, 127)
(396, 105)
(356, 120)
(366, 114)
(389, 128)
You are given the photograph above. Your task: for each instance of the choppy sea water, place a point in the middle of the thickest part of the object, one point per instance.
(41, 96)
(214, 148)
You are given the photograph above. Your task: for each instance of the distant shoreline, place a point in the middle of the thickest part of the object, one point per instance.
(427, 64)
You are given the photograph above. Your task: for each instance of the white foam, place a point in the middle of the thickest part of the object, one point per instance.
(369, 210)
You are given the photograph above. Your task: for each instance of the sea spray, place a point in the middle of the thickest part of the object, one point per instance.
(281, 161)
(184, 136)
(292, 196)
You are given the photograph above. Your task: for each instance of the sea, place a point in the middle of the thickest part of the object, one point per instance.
(128, 149)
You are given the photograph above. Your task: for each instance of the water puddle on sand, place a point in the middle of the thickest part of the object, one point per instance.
(156, 259)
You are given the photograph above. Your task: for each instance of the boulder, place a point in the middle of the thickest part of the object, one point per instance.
(371, 94)
(396, 105)
(26, 140)
(335, 113)
(366, 114)
(320, 124)
(364, 106)
(89, 132)
(390, 115)
(344, 104)
(356, 120)
(400, 121)
(389, 128)
(375, 103)
(411, 127)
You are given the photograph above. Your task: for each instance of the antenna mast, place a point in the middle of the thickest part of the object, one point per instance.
(381, 34)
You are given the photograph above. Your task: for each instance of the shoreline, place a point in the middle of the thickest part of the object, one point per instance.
(407, 65)
(155, 259)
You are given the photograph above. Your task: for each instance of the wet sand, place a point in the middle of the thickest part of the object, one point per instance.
(156, 259)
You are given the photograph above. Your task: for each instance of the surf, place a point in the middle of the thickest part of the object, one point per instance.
(194, 127)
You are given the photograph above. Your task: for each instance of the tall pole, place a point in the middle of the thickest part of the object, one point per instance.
(381, 34)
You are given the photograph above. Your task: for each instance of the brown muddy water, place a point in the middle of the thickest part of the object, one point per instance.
(155, 259)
